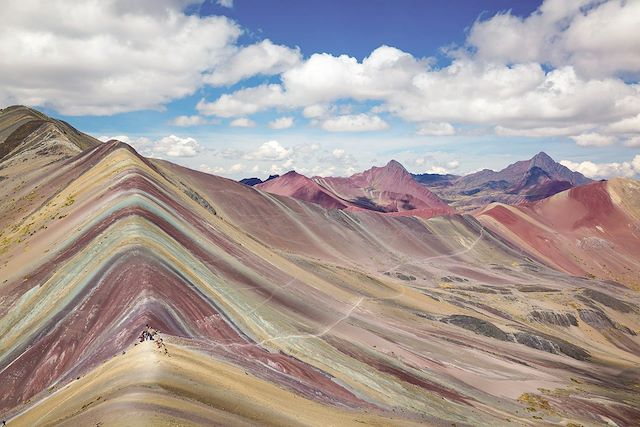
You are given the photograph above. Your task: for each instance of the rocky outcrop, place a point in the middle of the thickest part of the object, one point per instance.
(536, 288)
(552, 345)
(451, 279)
(608, 300)
(199, 199)
(479, 326)
(600, 321)
(552, 318)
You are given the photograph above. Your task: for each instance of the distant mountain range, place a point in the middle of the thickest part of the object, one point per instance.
(387, 189)
(523, 181)
(391, 189)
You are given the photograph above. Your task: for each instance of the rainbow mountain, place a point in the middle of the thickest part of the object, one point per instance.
(270, 310)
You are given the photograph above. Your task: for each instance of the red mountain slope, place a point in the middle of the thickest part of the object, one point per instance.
(592, 229)
(293, 184)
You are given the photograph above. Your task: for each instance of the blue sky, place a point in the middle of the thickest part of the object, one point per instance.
(356, 27)
(247, 87)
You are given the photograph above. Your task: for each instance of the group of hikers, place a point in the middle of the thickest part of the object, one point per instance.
(149, 334)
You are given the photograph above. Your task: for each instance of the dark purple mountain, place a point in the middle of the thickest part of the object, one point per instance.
(255, 181)
(517, 173)
(523, 181)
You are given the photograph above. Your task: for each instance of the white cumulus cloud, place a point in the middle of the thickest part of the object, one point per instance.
(215, 170)
(518, 99)
(324, 78)
(122, 138)
(172, 145)
(260, 58)
(605, 170)
(237, 167)
(438, 170)
(438, 163)
(593, 36)
(244, 101)
(630, 125)
(185, 121)
(338, 153)
(436, 129)
(315, 111)
(242, 122)
(270, 150)
(106, 57)
(633, 141)
(593, 140)
(354, 123)
(281, 123)
(175, 146)
(142, 144)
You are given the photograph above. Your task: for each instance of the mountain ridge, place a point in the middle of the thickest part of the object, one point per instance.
(18, 123)
(384, 189)
(520, 182)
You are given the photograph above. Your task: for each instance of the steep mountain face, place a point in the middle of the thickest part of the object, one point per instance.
(275, 311)
(387, 189)
(516, 172)
(26, 133)
(523, 181)
(390, 187)
(556, 171)
(537, 184)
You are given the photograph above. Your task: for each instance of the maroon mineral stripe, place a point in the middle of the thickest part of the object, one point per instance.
(89, 332)
(383, 366)
(216, 264)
